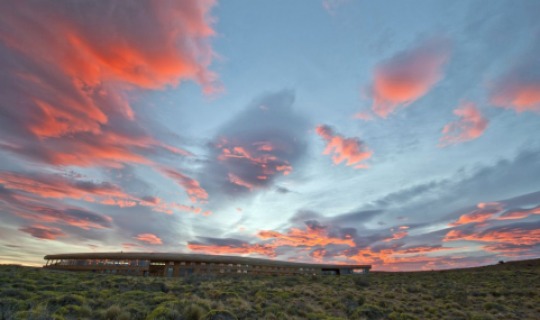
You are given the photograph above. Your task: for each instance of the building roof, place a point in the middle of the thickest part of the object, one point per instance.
(156, 256)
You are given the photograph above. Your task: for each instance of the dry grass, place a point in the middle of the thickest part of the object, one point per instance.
(508, 291)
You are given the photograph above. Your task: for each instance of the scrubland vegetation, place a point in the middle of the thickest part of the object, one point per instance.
(506, 291)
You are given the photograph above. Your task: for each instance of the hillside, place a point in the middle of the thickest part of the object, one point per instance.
(506, 291)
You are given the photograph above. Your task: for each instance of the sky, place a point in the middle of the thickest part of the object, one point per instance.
(401, 134)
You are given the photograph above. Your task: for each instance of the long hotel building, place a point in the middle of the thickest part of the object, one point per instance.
(178, 265)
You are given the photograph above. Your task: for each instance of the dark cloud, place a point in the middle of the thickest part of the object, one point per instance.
(220, 241)
(263, 142)
(282, 190)
(528, 199)
(355, 218)
(410, 194)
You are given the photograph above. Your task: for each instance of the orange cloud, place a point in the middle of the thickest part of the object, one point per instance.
(318, 254)
(168, 44)
(227, 249)
(351, 150)
(397, 235)
(261, 156)
(507, 235)
(192, 187)
(470, 125)
(515, 90)
(149, 238)
(72, 67)
(408, 76)
(43, 232)
(484, 212)
(311, 237)
(398, 259)
(454, 235)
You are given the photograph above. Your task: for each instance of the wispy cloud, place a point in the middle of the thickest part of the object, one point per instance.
(470, 125)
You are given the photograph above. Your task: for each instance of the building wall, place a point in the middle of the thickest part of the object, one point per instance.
(187, 268)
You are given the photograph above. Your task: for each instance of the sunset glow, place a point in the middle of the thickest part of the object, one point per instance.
(402, 136)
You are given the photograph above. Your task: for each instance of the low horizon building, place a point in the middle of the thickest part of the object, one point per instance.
(181, 264)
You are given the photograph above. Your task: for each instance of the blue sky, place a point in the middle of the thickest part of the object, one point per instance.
(399, 134)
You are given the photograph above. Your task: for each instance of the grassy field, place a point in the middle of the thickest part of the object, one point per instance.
(506, 291)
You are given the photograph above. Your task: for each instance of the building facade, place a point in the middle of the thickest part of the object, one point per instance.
(179, 265)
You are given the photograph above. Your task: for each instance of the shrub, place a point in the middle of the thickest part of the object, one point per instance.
(361, 281)
(494, 306)
(219, 315)
(193, 312)
(116, 313)
(68, 299)
(480, 316)
(19, 294)
(165, 311)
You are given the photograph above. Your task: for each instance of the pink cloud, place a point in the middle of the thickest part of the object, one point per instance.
(351, 150)
(519, 87)
(259, 154)
(471, 125)
(366, 116)
(43, 232)
(230, 249)
(149, 238)
(408, 75)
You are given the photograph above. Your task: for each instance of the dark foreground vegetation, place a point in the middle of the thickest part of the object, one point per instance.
(505, 291)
